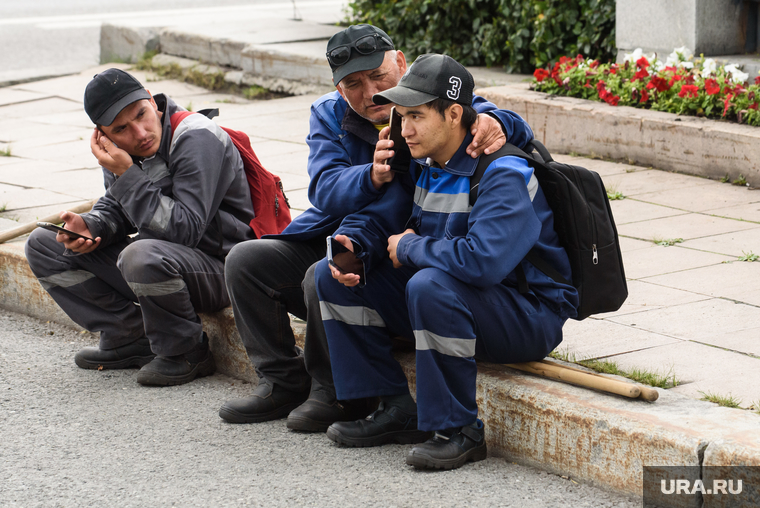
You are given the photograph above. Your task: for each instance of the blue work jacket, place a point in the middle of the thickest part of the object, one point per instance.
(341, 150)
(481, 245)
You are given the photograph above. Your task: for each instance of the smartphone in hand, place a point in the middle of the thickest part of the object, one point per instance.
(58, 229)
(401, 156)
(344, 260)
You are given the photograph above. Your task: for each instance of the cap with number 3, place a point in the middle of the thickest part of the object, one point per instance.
(430, 77)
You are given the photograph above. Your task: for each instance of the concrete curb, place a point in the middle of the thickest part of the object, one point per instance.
(594, 437)
(690, 145)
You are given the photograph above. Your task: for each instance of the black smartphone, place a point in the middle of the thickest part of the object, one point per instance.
(58, 229)
(344, 260)
(401, 156)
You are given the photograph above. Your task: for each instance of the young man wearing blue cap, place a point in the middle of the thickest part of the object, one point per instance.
(187, 198)
(270, 278)
(449, 281)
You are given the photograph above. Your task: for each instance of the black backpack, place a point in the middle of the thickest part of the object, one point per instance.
(583, 222)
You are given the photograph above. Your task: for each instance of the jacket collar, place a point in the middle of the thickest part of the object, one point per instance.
(460, 164)
(359, 127)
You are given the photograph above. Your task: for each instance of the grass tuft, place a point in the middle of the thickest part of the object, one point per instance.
(6, 152)
(213, 81)
(638, 375)
(667, 242)
(740, 181)
(721, 400)
(749, 256)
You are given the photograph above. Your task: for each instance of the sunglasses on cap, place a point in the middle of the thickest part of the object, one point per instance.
(364, 46)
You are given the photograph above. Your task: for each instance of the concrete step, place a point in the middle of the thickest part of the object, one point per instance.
(587, 435)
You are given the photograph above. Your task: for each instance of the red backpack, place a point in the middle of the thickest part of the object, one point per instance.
(270, 206)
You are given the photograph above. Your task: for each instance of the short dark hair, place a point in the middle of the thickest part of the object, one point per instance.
(469, 115)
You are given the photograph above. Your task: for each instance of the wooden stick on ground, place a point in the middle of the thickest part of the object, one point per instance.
(647, 393)
(55, 218)
(586, 379)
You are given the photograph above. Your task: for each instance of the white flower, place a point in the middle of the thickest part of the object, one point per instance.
(709, 66)
(658, 66)
(682, 53)
(679, 57)
(737, 76)
(633, 57)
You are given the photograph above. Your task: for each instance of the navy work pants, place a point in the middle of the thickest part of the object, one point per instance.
(452, 324)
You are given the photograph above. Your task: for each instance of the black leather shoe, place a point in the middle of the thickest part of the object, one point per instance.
(386, 425)
(134, 354)
(179, 369)
(322, 409)
(450, 449)
(268, 402)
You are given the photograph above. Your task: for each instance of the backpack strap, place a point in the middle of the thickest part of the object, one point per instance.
(545, 157)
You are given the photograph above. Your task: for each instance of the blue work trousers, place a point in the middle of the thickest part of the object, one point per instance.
(452, 324)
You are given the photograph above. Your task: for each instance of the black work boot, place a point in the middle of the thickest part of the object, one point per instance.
(450, 448)
(322, 409)
(179, 369)
(386, 425)
(268, 402)
(134, 354)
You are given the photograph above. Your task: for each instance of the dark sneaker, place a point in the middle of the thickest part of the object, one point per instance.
(322, 409)
(134, 354)
(386, 425)
(268, 402)
(179, 369)
(450, 448)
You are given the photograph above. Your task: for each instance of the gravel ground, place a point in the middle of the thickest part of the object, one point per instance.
(72, 437)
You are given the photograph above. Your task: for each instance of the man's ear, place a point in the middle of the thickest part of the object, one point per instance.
(454, 115)
(401, 61)
(152, 100)
(339, 88)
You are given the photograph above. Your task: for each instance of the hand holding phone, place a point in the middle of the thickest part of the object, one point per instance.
(399, 163)
(59, 229)
(345, 266)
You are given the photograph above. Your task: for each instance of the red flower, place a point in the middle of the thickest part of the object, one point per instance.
(540, 74)
(595, 64)
(675, 78)
(753, 105)
(600, 85)
(613, 68)
(659, 83)
(712, 87)
(688, 91)
(642, 63)
(727, 103)
(757, 80)
(612, 101)
(640, 74)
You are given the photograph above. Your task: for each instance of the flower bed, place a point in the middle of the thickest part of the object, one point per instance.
(681, 85)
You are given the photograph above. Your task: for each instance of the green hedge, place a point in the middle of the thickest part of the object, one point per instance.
(521, 35)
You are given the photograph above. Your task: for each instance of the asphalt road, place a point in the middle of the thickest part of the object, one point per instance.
(72, 437)
(42, 38)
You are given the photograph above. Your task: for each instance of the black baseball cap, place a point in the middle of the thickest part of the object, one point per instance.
(357, 48)
(109, 92)
(430, 77)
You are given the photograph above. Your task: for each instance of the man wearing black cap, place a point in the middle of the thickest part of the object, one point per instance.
(187, 198)
(347, 174)
(451, 283)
